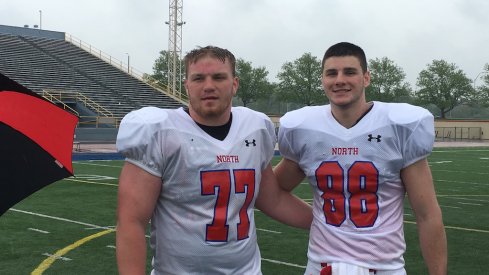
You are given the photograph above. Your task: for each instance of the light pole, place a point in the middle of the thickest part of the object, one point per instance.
(40, 19)
(128, 66)
(475, 79)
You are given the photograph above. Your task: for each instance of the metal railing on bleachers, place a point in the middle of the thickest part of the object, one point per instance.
(177, 95)
(59, 102)
(62, 96)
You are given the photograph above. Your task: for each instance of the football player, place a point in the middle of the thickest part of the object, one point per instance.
(360, 159)
(197, 174)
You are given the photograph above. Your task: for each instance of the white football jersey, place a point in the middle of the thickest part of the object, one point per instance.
(203, 222)
(355, 177)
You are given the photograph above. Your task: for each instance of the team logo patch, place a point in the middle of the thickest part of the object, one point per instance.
(248, 143)
(370, 137)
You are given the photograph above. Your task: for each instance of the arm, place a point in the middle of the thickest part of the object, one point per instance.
(421, 193)
(288, 174)
(281, 205)
(137, 196)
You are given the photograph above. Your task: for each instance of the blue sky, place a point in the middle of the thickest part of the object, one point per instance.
(269, 33)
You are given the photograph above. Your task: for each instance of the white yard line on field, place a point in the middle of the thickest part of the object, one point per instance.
(463, 182)
(111, 229)
(269, 231)
(57, 257)
(98, 183)
(457, 228)
(448, 206)
(459, 171)
(468, 203)
(37, 230)
(60, 219)
(283, 263)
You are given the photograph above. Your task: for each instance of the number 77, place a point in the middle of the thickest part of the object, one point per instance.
(218, 182)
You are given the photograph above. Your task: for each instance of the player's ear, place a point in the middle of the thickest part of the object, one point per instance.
(366, 79)
(185, 85)
(235, 85)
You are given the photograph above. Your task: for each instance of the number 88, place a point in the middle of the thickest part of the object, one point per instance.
(362, 185)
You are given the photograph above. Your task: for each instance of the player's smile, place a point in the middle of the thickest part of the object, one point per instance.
(341, 90)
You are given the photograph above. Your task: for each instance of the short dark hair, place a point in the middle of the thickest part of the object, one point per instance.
(219, 53)
(346, 49)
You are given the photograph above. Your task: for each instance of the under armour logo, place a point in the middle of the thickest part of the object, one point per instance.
(250, 142)
(370, 137)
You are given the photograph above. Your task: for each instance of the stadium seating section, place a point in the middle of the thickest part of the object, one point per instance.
(43, 63)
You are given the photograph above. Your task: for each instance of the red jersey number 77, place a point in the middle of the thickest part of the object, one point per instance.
(218, 183)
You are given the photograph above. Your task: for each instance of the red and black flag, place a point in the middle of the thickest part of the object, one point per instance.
(36, 143)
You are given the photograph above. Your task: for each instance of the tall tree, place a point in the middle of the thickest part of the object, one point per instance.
(160, 71)
(482, 91)
(387, 82)
(268, 104)
(300, 81)
(485, 76)
(253, 83)
(444, 85)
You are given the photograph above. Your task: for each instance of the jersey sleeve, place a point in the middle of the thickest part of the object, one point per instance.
(138, 139)
(265, 124)
(419, 143)
(285, 137)
(272, 138)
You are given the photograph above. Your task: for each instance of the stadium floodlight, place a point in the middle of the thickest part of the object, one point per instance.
(174, 60)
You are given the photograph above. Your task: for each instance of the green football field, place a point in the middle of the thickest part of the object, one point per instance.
(68, 227)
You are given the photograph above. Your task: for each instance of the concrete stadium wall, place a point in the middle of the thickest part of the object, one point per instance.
(463, 126)
(96, 135)
(457, 129)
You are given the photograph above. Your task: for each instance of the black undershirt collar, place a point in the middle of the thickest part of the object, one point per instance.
(218, 132)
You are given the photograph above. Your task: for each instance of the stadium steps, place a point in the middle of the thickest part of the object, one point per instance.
(36, 70)
(43, 63)
(110, 76)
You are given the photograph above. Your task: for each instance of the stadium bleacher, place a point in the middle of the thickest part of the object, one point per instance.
(43, 60)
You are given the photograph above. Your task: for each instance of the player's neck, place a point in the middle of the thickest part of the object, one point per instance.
(209, 119)
(349, 116)
(218, 132)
